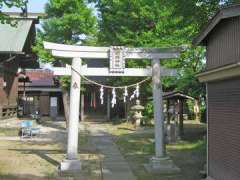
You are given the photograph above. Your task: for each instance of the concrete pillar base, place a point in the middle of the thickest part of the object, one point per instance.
(209, 178)
(162, 165)
(70, 165)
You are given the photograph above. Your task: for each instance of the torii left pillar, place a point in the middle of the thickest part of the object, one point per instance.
(72, 163)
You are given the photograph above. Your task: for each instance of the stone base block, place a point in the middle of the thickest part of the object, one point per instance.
(162, 165)
(209, 178)
(70, 165)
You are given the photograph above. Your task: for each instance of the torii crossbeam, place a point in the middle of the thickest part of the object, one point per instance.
(117, 55)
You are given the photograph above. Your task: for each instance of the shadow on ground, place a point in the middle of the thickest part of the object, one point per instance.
(24, 177)
(52, 124)
(44, 154)
(189, 154)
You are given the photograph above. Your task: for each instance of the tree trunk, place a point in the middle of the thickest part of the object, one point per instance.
(65, 96)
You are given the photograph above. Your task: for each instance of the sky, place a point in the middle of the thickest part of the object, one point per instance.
(33, 6)
(37, 6)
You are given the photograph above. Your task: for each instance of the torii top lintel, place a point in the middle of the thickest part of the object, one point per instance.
(88, 52)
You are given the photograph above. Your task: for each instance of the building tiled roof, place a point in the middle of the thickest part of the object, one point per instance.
(175, 95)
(40, 77)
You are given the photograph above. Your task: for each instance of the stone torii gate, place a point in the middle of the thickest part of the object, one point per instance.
(117, 55)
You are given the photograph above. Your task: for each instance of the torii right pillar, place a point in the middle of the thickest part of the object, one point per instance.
(160, 162)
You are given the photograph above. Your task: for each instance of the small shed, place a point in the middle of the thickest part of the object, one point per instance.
(221, 38)
(175, 108)
(175, 103)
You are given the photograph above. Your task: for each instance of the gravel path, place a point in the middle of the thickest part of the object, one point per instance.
(114, 166)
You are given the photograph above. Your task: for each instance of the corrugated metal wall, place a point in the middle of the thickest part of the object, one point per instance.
(223, 44)
(224, 129)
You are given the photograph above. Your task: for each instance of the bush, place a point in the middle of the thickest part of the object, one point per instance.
(203, 112)
(148, 111)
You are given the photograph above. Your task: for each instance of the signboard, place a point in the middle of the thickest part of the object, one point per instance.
(117, 59)
(53, 101)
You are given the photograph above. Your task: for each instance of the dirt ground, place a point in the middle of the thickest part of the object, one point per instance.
(38, 158)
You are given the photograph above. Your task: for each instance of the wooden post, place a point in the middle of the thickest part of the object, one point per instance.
(158, 109)
(126, 110)
(1, 112)
(72, 147)
(168, 114)
(24, 97)
(82, 107)
(181, 128)
(108, 106)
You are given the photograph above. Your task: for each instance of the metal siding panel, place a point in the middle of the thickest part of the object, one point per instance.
(223, 129)
(223, 45)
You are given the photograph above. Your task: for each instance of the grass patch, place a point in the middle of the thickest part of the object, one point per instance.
(39, 160)
(12, 128)
(31, 159)
(83, 138)
(48, 122)
(188, 154)
(5, 131)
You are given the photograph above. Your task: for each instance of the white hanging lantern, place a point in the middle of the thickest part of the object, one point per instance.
(132, 96)
(135, 93)
(101, 94)
(114, 100)
(125, 94)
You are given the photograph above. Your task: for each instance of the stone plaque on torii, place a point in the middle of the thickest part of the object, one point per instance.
(117, 56)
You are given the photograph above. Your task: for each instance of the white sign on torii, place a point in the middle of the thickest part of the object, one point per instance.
(78, 52)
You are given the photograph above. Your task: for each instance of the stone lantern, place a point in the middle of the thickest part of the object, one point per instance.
(137, 113)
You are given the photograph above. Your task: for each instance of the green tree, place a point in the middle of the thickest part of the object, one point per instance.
(162, 23)
(68, 22)
(10, 3)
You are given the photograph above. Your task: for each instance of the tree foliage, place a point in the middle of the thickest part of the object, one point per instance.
(135, 23)
(68, 22)
(10, 3)
(150, 23)
(162, 23)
